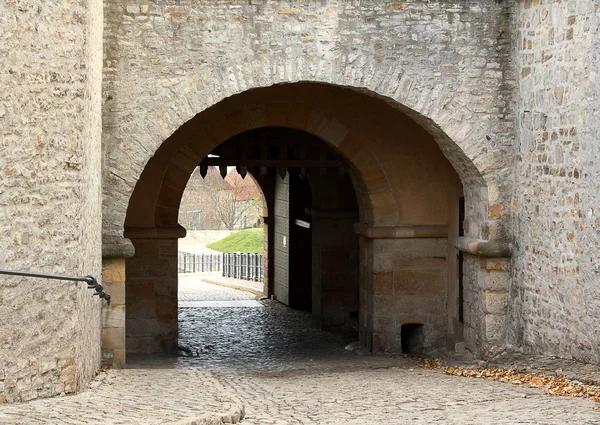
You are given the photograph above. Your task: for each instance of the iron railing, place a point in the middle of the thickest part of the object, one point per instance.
(91, 281)
(198, 263)
(243, 265)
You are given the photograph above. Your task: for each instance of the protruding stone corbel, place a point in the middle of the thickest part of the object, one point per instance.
(116, 247)
(483, 248)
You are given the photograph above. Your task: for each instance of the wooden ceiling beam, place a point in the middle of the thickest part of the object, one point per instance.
(234, 162)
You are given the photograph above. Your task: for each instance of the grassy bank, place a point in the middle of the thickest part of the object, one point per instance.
(247, 240)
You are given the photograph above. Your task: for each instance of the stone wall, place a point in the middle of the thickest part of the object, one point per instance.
(447, 64)
(50, 74)
(555, 295)
(169, 69)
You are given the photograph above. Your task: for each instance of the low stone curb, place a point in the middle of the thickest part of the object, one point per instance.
(233, 286)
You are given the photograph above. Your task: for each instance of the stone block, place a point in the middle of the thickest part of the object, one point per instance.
(254, 116)
(424, 283)
(145, 328)
(116, 289)
(350, 147)
(420, 304)
(113, 338)
(166, 216)
(166, 309)
(382, 261)
(276, 114)
(140, 309)
(495, 329)
(113, 270)
(496, 264)
(496, 281)
(382, 200)
(236, 122)
(298, 115)
(166, 287)
(411, 261)
(113, 316)
(140, 290)
(144, 345)
(375, 181)
(144, 249)
(383, 216)
(495, 302)
(383, 324)
(386, 342)
(384, 306)
(331, 130)
(383, 283)
(119, 358)
(170, 196)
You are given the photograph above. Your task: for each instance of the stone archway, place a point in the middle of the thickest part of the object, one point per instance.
(407, 175)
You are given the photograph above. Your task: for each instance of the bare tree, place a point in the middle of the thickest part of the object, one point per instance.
(238, 203)
(214, 202)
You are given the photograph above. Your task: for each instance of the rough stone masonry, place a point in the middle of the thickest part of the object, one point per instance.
(509, 91)
(50, 195)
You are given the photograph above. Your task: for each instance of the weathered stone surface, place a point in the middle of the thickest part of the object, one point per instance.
(50, 127)
(145, 72)
(554, 294)
(508, 90)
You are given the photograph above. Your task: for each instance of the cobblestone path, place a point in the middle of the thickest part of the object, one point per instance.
(268, 362)
(286, 372)
(136, 397)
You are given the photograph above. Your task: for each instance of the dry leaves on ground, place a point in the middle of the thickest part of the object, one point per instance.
(104, 368)
(556, 385)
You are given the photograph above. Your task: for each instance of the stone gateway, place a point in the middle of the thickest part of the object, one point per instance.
(443, 153)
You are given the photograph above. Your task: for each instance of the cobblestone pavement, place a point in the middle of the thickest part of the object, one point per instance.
(268, 361)
(288, 373)
(136, 396)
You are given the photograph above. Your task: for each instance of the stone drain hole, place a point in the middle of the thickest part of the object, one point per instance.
(412, 337)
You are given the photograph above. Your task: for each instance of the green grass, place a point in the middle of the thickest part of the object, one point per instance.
(247, 240)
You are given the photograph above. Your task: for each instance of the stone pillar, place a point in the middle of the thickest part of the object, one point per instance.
(405, 282)
(486, 281)
(152, 326)
(114, 254)
(113, 314)
(151, 291)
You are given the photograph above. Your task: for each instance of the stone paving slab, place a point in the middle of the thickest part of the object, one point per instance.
(136, 396)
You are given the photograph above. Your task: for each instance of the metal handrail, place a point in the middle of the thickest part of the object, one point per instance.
(91, 281)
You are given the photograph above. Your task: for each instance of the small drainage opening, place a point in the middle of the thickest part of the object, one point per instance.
(412, 337)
